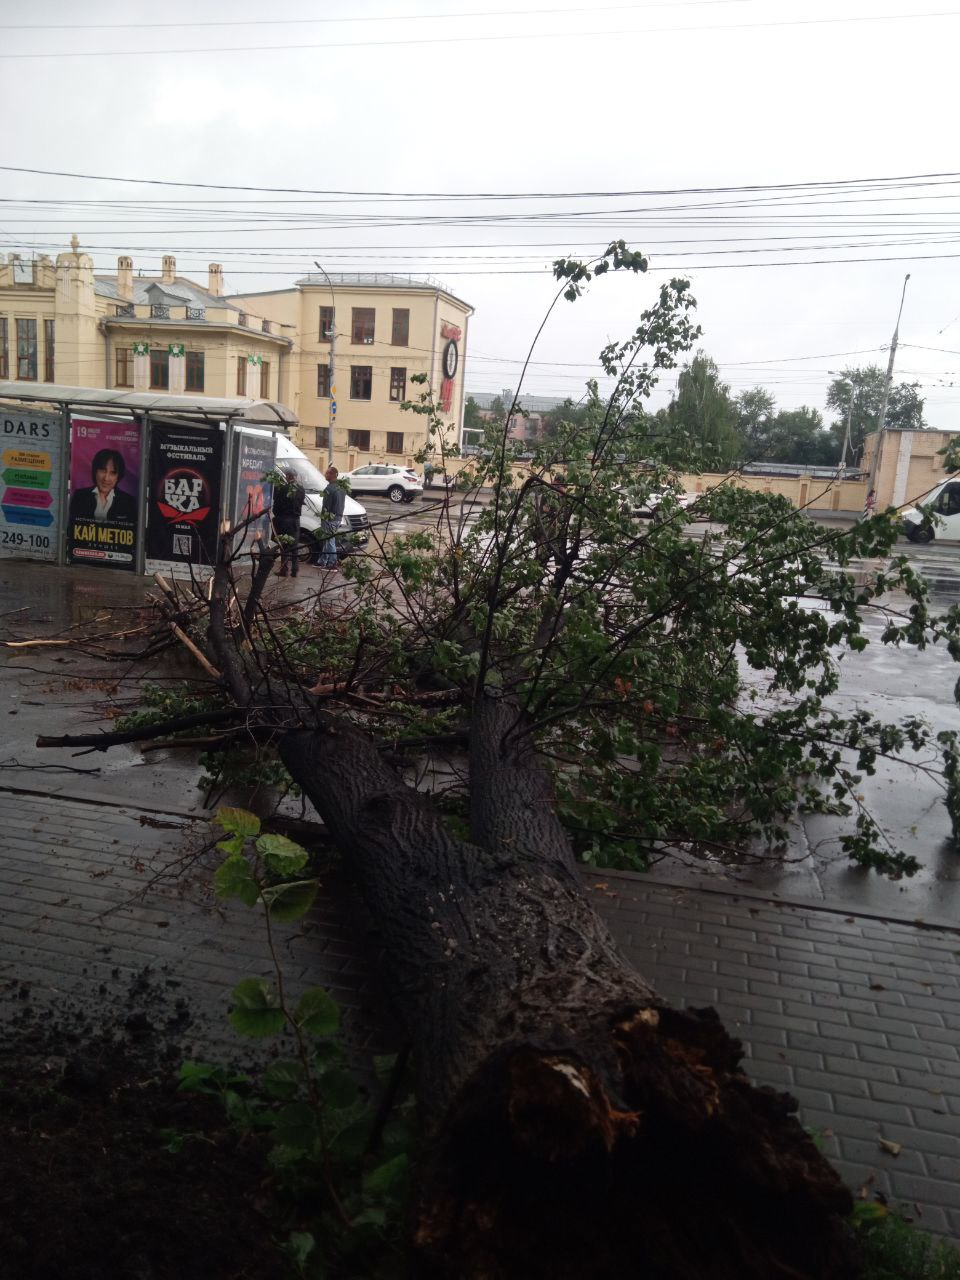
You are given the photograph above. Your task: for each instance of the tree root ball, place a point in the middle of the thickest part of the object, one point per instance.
(672, 1166)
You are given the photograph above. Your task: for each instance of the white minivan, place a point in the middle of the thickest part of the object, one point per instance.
(936, 515)
(354, 532)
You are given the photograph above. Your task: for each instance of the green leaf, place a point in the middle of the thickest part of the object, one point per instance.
(338, 1089)
(317, 1013)
(868, 1211)
(234, 844)
(282, 1079)
(370, 1217)
(300, 1245)
(238, 822)
(351, 1143)
(290, 901)
(383, 1065)
(387, 1179)
(233, 879)
(295, 1126)
(204, 1077)
(256, 1008)
(283, 857)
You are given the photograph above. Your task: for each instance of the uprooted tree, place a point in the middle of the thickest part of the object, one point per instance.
(476, 708)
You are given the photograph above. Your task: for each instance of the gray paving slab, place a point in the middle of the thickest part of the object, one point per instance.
(857, 1017)
(868, 1045)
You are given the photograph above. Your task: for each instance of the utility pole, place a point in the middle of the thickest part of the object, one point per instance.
(882, 419)
(846, 436)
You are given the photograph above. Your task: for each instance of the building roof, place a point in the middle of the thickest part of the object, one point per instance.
(534, 404)
(192, 294)
(362, 280)
(797, 469)
(235, 409)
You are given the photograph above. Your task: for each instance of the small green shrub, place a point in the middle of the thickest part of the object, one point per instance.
(894, 1249)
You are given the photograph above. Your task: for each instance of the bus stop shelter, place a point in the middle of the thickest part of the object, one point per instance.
(131, 480)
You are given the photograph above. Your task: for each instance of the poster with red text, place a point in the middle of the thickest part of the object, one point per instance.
(183, 504)
(103, 517)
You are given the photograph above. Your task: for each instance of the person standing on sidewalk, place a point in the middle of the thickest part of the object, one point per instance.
(288, 500)
(330, 516)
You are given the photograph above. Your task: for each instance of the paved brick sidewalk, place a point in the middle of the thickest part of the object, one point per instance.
(111, 910)
(858, 1017)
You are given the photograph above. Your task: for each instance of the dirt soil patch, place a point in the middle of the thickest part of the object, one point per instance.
(106, 1171)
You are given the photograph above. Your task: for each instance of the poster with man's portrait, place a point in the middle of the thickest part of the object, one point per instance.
(103, 519)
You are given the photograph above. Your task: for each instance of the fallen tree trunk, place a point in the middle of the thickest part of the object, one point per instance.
(575, 1125)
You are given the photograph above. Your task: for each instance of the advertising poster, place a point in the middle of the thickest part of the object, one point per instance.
(183, 503)
(256, 456)
(32, 445)
(103, 525)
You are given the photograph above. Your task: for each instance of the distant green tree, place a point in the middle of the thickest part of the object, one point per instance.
(755, 411)
(704, 415)
(474, 423)
(497, 410)
(472, 415)
(569, 414)
(798, 436)
(865, 386)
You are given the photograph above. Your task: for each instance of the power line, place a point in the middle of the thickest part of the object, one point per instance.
(312, 22)
(499, 38)
(853, 183)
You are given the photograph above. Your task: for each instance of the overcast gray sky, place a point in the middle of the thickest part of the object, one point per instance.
(522, 96)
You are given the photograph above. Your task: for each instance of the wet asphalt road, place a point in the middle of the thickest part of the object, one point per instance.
(50, 691)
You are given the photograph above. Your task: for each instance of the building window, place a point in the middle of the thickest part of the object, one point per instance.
(322, 438)
(4, 348)
(358, 440)
(241, 375)
(27, 350)
(159, 370)
(398, 384)
(124, 374)
(361, 381)
(194, 371)
(326, 324)
(323, 381)
(394, 442)
(49, 347)
(401, 327)
(265, 380)
(364, 319)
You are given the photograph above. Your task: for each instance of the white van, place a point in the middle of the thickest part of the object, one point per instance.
(354, 532)
(936, 515)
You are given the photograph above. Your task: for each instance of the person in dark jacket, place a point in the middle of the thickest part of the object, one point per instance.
(106, 501)
(288, 500)
(334, 499)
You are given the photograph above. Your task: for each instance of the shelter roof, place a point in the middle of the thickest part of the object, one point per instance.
(266, 413)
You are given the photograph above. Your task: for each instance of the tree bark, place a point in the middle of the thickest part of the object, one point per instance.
(575, 1125)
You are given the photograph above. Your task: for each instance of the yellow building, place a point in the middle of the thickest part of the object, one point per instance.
(65, 323)
(339, 351)
(359, 339)
(910, 464)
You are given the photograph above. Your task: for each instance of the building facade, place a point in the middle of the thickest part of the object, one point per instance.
(64, 323)
(339, 351)
(910, 464)
(359, 339)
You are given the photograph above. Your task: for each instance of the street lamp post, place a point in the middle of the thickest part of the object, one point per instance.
(332, 408)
